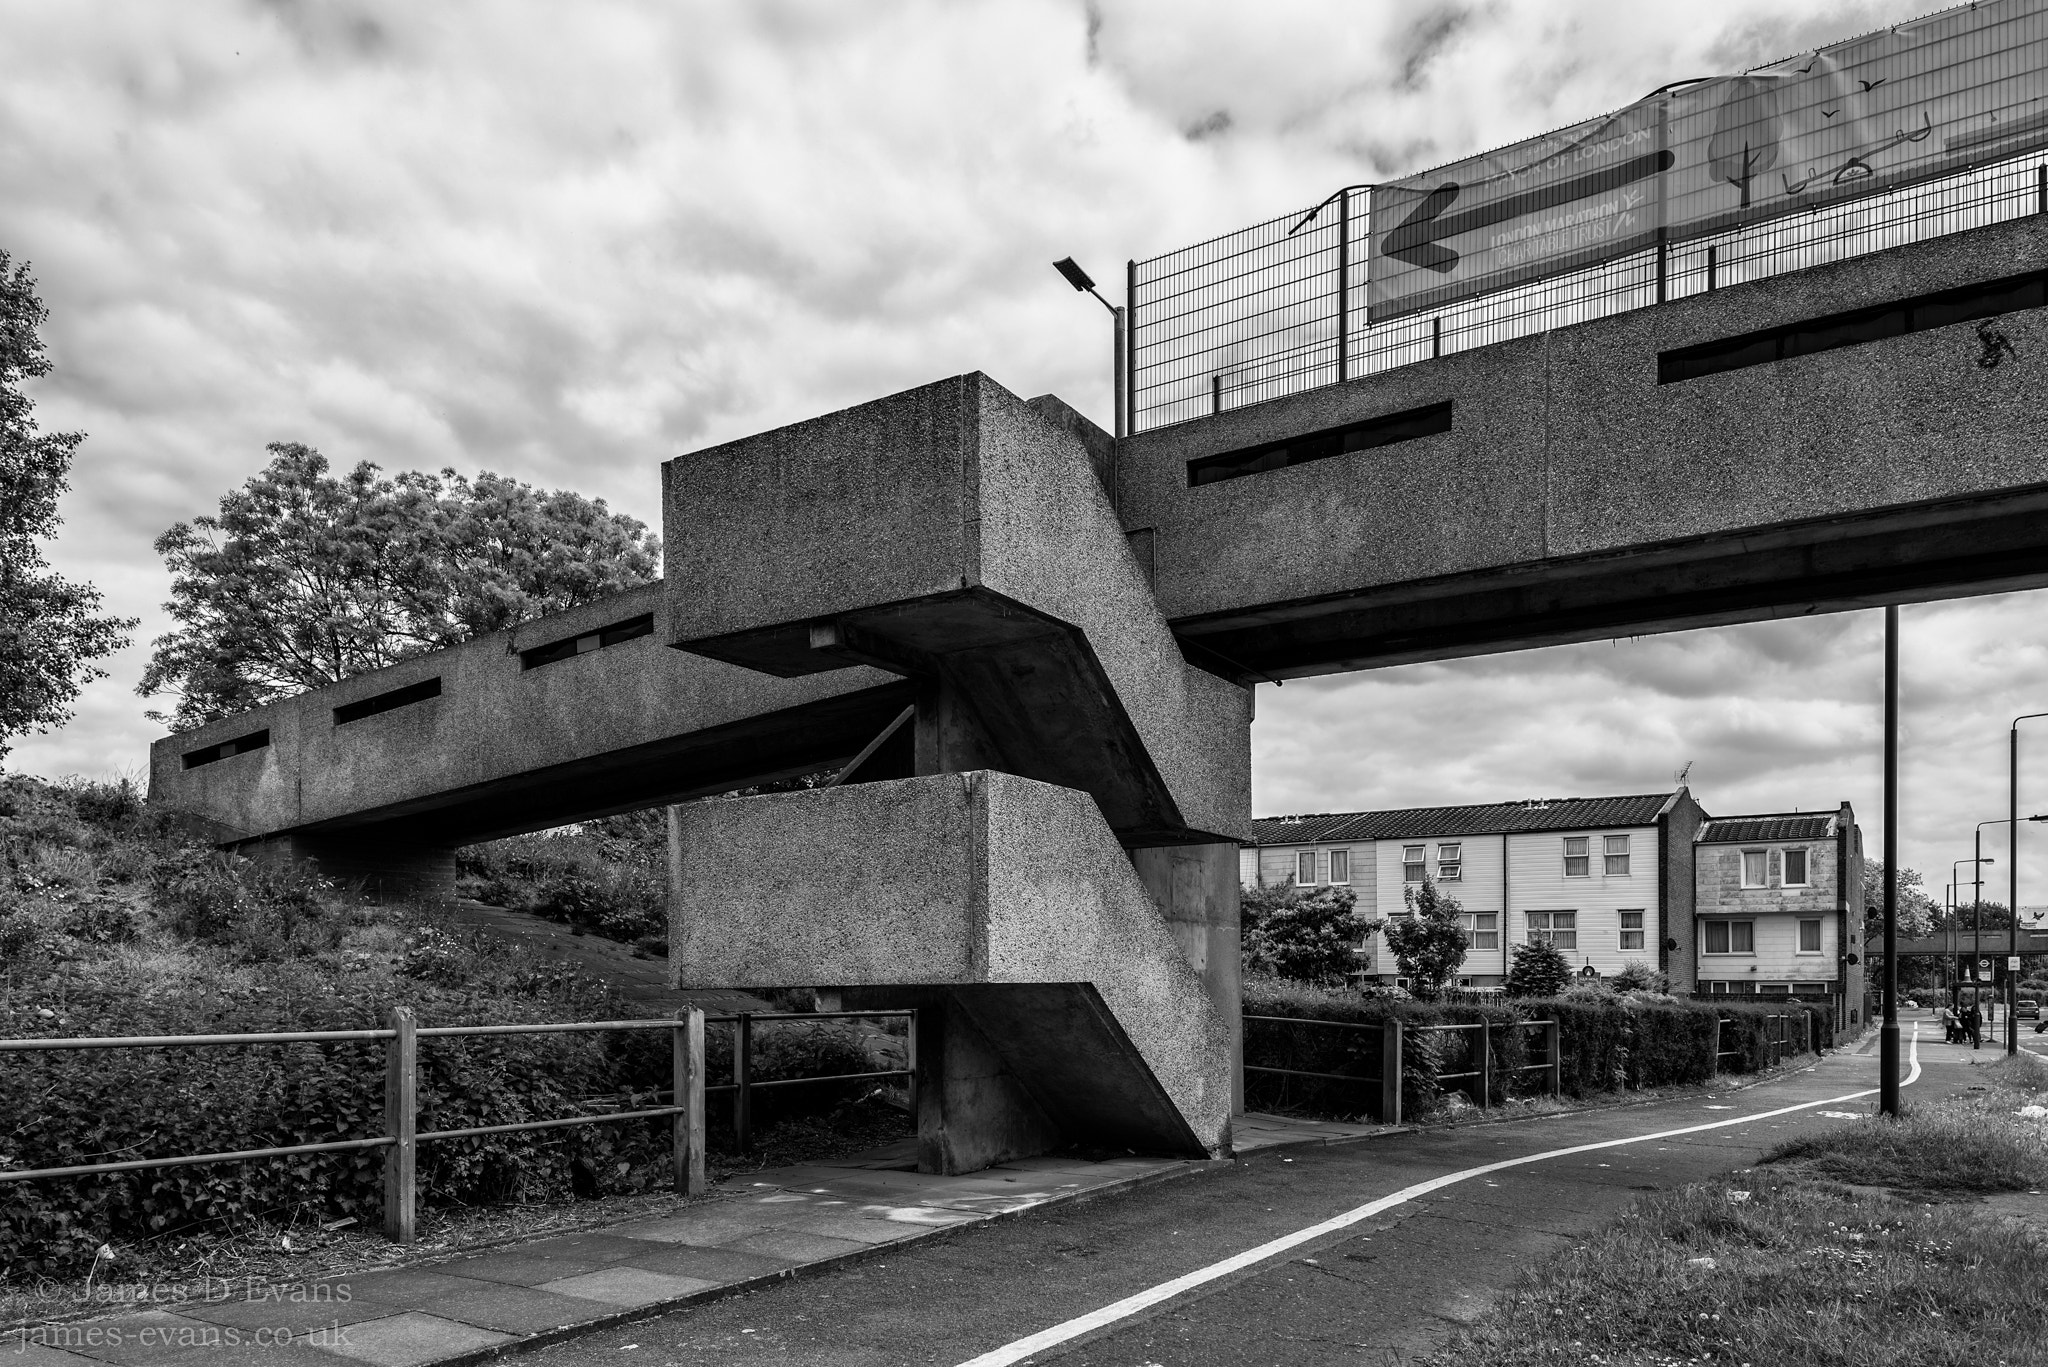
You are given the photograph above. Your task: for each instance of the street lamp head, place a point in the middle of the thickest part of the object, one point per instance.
(1075, 276)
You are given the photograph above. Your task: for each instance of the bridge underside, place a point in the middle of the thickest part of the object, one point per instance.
(1947, 548)
(817, 736)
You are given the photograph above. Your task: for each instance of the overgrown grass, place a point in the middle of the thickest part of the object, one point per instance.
(1776, 1270)
(1789, 1265)
(1977, 1142)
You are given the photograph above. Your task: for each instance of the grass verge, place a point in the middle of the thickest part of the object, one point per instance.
(1809, 1260)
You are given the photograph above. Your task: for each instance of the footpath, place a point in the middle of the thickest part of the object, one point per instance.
(751, 1232)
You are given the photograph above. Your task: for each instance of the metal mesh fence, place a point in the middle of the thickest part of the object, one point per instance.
(1279, 307)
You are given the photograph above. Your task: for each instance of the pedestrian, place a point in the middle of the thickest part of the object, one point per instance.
(1951, 1025)
(1973, 1023)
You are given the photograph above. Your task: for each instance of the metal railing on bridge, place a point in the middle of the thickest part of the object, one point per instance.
(1279, 308)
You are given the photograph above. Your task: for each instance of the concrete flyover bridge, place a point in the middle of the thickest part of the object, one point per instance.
(1042, 643)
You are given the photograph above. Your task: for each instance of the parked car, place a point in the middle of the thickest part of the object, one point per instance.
(2027, 1009)
(1909, 1005)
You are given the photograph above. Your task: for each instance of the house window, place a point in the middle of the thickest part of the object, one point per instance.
(1810, 989)
(1449, 862)
(1412, 867)
(1631, 929)
(1753, 869)
(1616, 853)
(1560, 928)
(1340, 866)
(1482, 929)
(1795, 868)
(1809, 937)
(1305, 868)
(1575, 858)
(1719, 988)
(1730, 937)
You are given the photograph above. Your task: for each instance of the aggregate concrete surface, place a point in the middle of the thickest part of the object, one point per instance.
(1383, 1291)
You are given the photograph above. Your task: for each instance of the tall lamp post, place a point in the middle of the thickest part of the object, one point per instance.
(2012, 870)
(1078, 278)
(1888, 1036)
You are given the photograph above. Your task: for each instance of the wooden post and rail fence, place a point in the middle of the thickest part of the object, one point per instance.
(401, 1036)
(401, 1137)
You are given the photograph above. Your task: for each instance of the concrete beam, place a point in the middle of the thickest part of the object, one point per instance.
(1577, 498)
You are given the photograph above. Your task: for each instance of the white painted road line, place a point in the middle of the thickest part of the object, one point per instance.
(1130, 1305)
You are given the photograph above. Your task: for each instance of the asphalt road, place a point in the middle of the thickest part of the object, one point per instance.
(1380, 1291)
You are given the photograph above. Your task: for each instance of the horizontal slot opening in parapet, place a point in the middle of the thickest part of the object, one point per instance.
(1918, 314)
(1331, 441)
(240, 745)
(631, 629)
(384, 702)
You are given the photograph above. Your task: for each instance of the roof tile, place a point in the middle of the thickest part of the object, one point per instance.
(1495, 818)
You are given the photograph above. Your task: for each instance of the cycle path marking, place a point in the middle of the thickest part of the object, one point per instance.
(1024, 1348)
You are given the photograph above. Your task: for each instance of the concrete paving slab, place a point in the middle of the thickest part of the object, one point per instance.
(712, 1227)
(720, 1266)
(19, 1351)
(244, 1312)
(631, 1287)
(797, 1246)
(408, 1288)
(148, 1337)
(413, 1339)
(861, 1229)
(520, 1309)
(593, 1247)
(526, 1269)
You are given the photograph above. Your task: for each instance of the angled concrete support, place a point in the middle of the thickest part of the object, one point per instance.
(1068, 1011)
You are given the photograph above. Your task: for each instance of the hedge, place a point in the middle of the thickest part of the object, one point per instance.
(74, 1107)
(1610, 1044)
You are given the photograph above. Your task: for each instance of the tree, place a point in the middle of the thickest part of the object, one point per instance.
(1309, 934)
(1428, 942)
(51, 629)
(1538, 969)
(1919, 915)
(304, 578)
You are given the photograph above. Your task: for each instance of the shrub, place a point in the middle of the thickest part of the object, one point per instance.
(1307, 934)
(596, 882)
(1537, 969)
(1428, 943)
(1637, 976)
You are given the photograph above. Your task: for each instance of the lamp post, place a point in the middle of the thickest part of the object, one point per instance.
(1079, 279)
(2012, 871)
(1888, 1035)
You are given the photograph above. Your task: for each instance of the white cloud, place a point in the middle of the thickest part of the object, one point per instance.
(567, 242)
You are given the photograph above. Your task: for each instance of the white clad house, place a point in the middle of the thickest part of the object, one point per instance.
(1780, 900)
(1608, 880)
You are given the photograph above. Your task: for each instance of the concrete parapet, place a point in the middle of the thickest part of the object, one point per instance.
(1067, 1002)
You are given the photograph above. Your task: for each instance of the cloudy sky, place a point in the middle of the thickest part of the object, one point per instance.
(565, 242)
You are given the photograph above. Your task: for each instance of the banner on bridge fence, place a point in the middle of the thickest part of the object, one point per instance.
(1927, 98)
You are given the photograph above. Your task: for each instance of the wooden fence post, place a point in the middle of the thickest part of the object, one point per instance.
(1485, 1064)
(742, 1094)
(910, 1063)
(1390, 1071)
(1714, 1051)
(1553, 1045)
(688, 1040)
(401, 1122)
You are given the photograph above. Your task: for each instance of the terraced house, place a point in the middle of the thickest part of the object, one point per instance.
(1780, 908)
(1727, 906)
(1608, 880)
